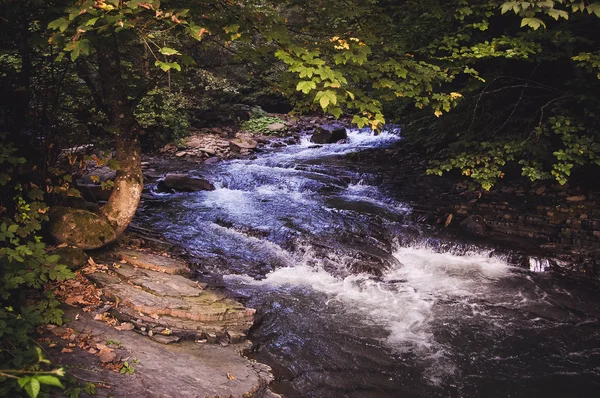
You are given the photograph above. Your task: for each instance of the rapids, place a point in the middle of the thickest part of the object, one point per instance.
(356, 300)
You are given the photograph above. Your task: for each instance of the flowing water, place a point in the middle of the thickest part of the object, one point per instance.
(356, 300)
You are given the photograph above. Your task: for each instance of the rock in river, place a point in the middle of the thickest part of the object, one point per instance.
(183, 183)
(239, 144)
(324, 136)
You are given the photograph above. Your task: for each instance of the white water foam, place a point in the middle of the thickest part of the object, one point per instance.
(403, 300)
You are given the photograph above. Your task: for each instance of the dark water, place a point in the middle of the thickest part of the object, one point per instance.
(355, 300)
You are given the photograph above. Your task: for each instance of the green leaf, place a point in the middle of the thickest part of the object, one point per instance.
(23, 381)
(533, 23)
(49, 380)
(337, 112)
(166, 66)
(507, 6)
(60, 24)
(92, 22)
(33, 388)
(169, 51)
(360, 121)
(594, 8)
(305, 86)
(331, 96)
(556, 14)
(324, 101)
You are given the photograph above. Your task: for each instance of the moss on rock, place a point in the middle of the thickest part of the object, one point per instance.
(74, 257)
(80, 228)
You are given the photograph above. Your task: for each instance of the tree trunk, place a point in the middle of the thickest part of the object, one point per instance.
(127, 190)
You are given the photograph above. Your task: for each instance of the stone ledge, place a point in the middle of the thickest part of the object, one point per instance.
(154, 262)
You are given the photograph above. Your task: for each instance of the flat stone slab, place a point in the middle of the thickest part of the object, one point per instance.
(154, 262)
(160, 283)
(206, 306)
(184, 370)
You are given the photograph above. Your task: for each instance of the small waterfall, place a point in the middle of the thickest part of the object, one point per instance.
(537, 264)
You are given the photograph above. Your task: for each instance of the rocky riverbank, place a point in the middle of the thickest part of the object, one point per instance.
(558, 223)
(140, 328)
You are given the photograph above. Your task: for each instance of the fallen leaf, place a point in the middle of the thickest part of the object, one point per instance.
(67, 350)
(230, 376)
(125, 326)
(107, 355)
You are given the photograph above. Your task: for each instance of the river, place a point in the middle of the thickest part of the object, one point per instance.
(356, 299)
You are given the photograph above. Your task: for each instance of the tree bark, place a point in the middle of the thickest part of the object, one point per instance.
(127, 190)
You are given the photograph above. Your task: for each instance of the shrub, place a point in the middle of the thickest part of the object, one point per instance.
(25, 267)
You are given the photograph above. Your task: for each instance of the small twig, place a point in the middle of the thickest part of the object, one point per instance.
(518, 102)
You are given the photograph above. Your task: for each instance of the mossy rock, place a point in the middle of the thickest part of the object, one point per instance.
(74, 257)
(80, 228)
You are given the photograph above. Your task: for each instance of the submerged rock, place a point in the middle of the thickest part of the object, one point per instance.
(80, 228)
(324, 136)
(183, 183)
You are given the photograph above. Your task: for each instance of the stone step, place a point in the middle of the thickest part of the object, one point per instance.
(160, 283)
(154, 301)
(154, 262)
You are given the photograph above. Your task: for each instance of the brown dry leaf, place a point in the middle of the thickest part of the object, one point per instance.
(125, 326)
(67, 350)
(230, 376)
(107, 356)
(78, 291)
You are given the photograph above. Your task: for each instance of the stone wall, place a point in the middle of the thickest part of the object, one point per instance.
(565, 228)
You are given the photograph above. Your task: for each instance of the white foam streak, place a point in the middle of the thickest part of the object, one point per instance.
(402, 301)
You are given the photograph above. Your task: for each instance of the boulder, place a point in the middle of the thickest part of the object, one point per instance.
(276, 127)
(242, 143)
(184, 183)
(475, 225)
(325, 136)
(80, 228)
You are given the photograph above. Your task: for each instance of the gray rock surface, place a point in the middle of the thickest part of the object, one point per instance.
(184, 370)
(153, 295)
(184, 183)
(324, 136)
(240, 144)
